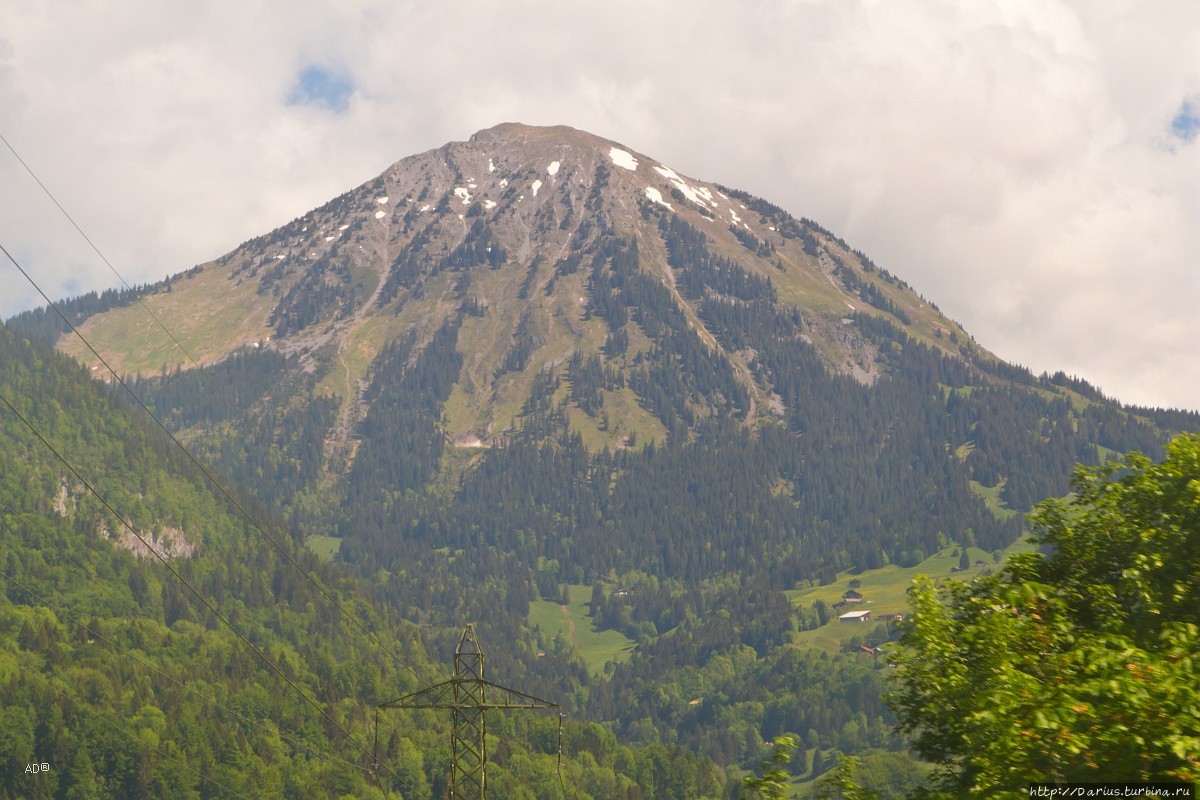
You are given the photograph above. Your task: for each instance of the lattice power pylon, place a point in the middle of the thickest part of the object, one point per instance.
(467, 696)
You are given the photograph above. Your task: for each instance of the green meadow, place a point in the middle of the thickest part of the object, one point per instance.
(573, 623)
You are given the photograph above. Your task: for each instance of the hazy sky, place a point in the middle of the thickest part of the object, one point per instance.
(1032, 166)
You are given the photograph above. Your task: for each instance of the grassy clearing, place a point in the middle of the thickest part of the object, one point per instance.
(991, 498)
(626, 418)
(594, 439)
(884, 591)
(961, 391)
(363, 344)
(632, 418)
(483, 342)
(596, 648)
(133, 342)
(326, 547)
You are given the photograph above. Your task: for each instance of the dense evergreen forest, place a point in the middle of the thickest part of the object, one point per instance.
(126, 685)
(851, 476)
(702, 531)
(773, 472)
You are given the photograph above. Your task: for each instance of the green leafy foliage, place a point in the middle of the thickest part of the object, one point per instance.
(1077, 665)
(772, 782)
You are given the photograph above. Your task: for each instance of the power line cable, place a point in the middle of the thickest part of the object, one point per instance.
(196, 364)
(203, 600)
(92, 244)
(212, 479)
(513, 742)
(179, 345)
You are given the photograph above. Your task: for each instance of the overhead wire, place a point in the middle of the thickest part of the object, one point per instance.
(515, 743)
(254, 523)
(92, 244)
(208, 474)
(199, 596)
(179, 345)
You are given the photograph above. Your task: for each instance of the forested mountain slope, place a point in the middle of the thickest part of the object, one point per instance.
(538, 359)
(544, 323)
(119, 679)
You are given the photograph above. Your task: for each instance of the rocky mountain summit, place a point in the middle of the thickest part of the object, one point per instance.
(512, 235)
(639, 369)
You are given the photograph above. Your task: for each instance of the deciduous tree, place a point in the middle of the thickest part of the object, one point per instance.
(1075, 666)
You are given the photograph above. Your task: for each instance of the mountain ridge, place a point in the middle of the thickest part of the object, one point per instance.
(686, 399)
(514, 181)
(549, 286)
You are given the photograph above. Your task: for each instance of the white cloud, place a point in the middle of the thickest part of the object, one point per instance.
(1013, 161)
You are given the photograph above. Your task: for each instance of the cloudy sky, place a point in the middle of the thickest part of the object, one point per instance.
(1032, 166)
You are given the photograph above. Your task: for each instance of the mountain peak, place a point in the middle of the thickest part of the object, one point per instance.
(544, 254)
(508, 132)
(542, 314)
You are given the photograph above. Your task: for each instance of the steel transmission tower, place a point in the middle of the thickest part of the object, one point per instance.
(467, 696)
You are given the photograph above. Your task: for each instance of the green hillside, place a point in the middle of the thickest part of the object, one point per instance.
(885, 591)
(451, 394)
(574, 625)
(121, 680)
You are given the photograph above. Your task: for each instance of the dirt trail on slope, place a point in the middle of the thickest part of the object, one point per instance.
(570, 624)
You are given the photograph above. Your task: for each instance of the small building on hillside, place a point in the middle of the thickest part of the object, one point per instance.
(856, 616)
(851, 596)
(890, 618)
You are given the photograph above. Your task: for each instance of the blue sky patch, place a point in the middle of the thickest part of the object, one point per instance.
(1186, 124)
(318, 86)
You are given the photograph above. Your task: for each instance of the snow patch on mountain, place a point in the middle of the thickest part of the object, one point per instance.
(656, 196)
(701, 196)
(553, 168)
(623, 158)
